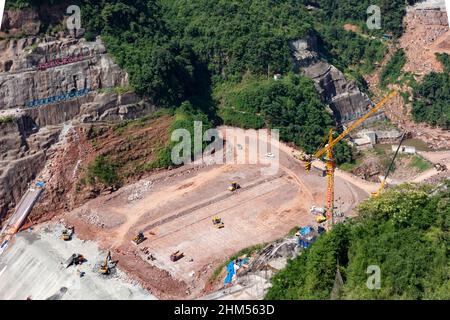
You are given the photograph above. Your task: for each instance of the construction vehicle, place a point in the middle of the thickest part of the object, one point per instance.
(440, 167)
(301, 156)
(177, 255)
(321, 218)
(139, 238)
(391, 165)
(75, 259)
(218, 223)
(234, 186)
(327, 151)
(104, 267)
(67, 233)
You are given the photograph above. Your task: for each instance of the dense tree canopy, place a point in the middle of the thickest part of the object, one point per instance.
(432, 97)
(291, 105)
(182, 50)
(405, 231)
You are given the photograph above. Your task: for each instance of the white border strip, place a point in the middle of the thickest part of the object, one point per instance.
(2, 8)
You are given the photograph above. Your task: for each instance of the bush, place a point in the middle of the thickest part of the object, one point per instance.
(432, 100)
(103, 170)
(405, 232)
(290, 105)
(392, 71)
(7, 119)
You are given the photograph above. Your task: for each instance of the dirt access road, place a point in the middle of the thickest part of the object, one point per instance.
(175, 211)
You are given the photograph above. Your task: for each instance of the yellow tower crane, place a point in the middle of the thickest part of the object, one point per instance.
(329, 156)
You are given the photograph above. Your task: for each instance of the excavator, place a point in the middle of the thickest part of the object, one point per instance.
(67, 233)
(104, 267)
(234, 186)
(139, 238)
(218, 223)
(327, 151)
(391, 165)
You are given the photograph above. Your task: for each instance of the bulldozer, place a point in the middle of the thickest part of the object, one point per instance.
(139, 238)
(104, 267)
(321, 218)
(234, 186)
(67, 233)
(218, 223)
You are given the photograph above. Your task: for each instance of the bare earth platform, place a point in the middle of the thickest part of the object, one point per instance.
(174, 209)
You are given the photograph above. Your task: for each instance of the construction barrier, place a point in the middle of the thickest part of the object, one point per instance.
(80, 55)
(59, 98)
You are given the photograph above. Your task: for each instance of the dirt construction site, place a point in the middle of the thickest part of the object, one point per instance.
(174, 210)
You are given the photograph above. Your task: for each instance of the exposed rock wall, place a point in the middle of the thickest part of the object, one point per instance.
(344, 97)
(17, 23)
(25, 22)
(25, 142)
(21, 83)
(22, 156)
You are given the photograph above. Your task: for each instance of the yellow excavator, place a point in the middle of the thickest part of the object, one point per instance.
(139, 238)
(218, 223)
(104, 267)
(327, 151)
(67, 233)
(234, 186)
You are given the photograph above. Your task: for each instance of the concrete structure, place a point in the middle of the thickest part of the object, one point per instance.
(33, 267)
(404, 149)
(367, 138)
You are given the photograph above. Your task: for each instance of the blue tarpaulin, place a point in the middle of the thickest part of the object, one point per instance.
(305, 231)
(230, 270)
(40, 184)
(304, 244)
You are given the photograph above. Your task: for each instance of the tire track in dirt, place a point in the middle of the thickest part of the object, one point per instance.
(210, 202)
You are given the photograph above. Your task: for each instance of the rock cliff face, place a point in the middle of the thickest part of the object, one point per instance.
(344, 97)
(22, 156)
(35, 72)
(21, 81)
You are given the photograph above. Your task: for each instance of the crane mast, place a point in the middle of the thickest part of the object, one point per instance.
(330, 160)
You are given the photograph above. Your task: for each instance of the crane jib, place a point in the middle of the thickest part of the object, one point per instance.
(355, 124)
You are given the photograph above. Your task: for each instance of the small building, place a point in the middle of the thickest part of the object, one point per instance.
(363, 143)
(404, 149)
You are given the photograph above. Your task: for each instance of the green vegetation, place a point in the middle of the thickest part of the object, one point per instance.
(291, 105)
(185, 116)
(104, 171)
(444, 58)
(178, 51)
(349, 166)
(350, 52)
(405, 231)
(7, 119)
(392, 12)
(420, 163)
(432, 97)
(392, 71)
